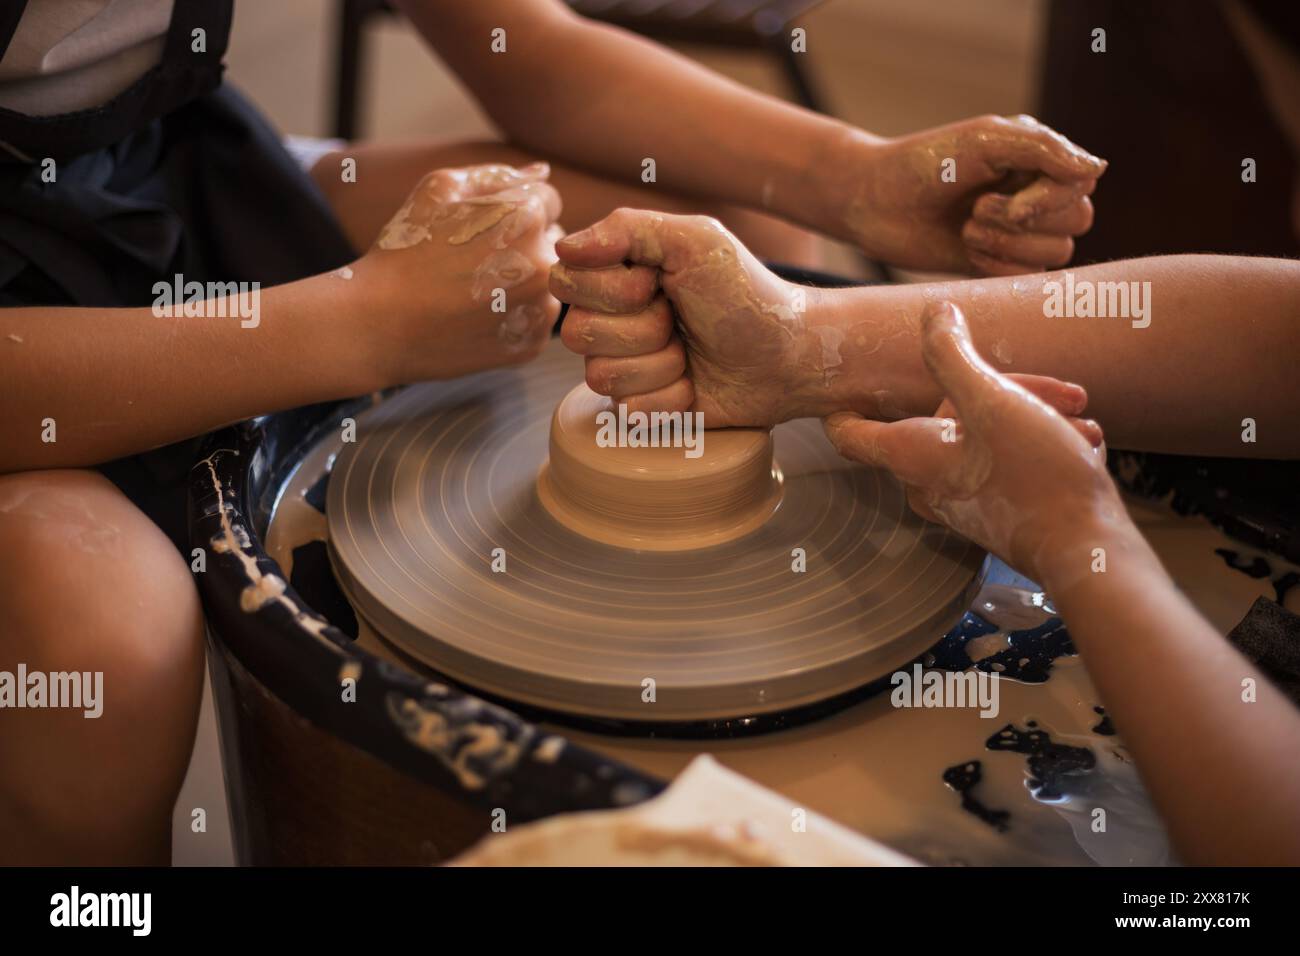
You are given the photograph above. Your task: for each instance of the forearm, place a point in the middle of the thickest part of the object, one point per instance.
(1220, 347)
(109, 382)
(612, 100)
(1222, 769)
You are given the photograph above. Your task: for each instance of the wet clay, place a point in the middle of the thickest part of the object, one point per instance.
(655, 499)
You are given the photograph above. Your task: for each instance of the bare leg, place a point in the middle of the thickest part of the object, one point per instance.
(387, 171)
(88, 583)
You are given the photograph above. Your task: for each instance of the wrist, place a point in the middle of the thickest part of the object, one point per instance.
(858, 351)
(356, 336)
(1090, 547)
(829, 187)
(812, 374)
(844, 193)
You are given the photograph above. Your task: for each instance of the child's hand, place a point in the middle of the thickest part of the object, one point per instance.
(456, 281)
(989, 195)
(1016, 471)
(740, 331)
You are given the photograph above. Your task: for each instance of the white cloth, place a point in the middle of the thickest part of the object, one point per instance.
(68, 55)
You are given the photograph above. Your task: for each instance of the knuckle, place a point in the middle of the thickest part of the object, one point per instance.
(983, 237)
(1085, 217)
(437, 181)
(624, 216)
(706, 224)
(529, 215)
(1062, 253)
(684, 395)
(643, 284)
(600, 377)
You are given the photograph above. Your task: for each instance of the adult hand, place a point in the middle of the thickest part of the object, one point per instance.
(991, 195)
(740, 328)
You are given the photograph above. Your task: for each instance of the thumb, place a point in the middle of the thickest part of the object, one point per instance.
(952, 360)
(638, 236)
(616, 290)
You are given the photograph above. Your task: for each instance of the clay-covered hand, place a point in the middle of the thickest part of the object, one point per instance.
(741, 326)
(457, 280)
(991, 195)
(1005, 461)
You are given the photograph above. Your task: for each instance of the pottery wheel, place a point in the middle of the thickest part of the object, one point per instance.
(443, 474)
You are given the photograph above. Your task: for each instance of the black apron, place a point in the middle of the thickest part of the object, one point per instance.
(177, 174)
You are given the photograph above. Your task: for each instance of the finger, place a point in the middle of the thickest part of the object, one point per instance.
(527, 326)
(616, 289)
(950, 356)
(550, 197)
(467, 182)
(1090, 430)
(1066, 397)
(1072, 220)
(926, 452)
(917, 500)
(1037, 248)
(1045, 194)
(592, 333)
(539, 203)
(1023, 143)
(641, 236)
(918, 451)
(1071, 216)
(504, 219)
(992, 266)
(639, 375)
(1060, 396)
(676, 397)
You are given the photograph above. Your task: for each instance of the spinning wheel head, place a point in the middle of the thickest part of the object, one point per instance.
(447, 542)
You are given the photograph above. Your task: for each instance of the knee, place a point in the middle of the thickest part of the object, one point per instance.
(89, 585)
(76, 555)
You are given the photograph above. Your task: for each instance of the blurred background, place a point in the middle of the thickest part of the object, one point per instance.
(888, 66)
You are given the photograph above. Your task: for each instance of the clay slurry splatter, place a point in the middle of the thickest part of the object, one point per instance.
(1028, 657)
(963, 778)
(1259, 567)
(1105, 728)
(1050, 764)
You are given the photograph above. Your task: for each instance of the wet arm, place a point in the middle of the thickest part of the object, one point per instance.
(1221, 346)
